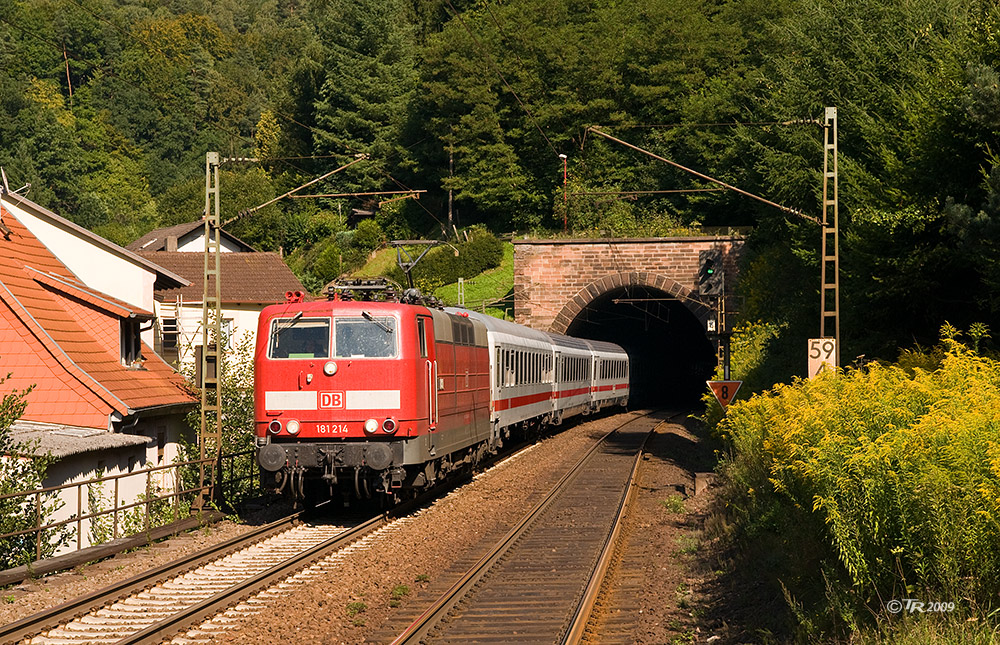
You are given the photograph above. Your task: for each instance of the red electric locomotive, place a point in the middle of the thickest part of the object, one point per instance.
(388, 395)
(367, 395)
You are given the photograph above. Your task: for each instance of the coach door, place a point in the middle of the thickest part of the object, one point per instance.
(428, 368)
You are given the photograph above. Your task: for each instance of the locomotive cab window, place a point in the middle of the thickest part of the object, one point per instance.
(422, 336)
(298, 337)
(365, 336)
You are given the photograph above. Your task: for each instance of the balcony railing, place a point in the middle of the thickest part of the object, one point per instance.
(166, 498)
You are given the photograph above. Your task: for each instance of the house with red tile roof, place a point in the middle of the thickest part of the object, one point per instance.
(250, 281)
(187, 238)
(95, 261)
(100, 399)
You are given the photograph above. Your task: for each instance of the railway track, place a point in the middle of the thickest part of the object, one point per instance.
(539, 583)
(210, 590)
(164, 601)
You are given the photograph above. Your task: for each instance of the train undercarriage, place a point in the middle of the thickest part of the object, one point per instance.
(310, 473)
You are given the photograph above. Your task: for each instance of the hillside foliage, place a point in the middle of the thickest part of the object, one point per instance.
(109, 106)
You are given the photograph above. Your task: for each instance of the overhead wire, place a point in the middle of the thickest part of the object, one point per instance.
(723, 124)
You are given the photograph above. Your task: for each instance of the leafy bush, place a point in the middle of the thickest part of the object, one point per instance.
(20, 474)
(441, 266)
(888, 477)
(748, 360)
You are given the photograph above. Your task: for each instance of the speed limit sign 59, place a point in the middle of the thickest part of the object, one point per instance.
(822, 355)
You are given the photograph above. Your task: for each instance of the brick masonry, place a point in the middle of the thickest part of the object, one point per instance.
(554, 280)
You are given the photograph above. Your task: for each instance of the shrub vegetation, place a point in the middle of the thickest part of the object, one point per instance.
(885, 478)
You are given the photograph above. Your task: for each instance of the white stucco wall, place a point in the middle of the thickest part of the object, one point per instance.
(129, 461)
(97, 266)
(196, 244)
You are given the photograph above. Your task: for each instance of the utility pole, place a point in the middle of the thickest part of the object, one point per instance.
(451, 175)
(565, 193)
(825, 349)
(210, 437)
(830, 287)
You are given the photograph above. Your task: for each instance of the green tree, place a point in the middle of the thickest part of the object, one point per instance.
(370, 77)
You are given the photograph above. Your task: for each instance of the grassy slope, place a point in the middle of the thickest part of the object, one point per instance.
(487, 288)
(384, 260)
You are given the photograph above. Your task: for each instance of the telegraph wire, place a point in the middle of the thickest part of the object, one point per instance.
(726, 124)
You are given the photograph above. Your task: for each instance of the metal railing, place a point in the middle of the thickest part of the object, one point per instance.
(178, 497)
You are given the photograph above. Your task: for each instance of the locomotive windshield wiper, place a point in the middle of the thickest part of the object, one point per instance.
(288, 323)
(386, 328)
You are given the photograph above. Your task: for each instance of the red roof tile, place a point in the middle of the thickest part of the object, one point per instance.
(79, 290)
(246, 277)
(62, 338)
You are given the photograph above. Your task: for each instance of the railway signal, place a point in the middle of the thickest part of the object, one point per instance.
(724, 391)
(710, 273)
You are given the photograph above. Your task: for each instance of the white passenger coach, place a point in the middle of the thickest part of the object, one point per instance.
(543, 377)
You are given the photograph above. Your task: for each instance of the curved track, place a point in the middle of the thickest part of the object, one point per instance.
(164, 601)
(539, 582)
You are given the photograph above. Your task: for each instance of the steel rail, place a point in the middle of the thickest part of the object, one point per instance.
(430, 618)
(199, 613)
(51, 618)
(196, 614)
(584, 611)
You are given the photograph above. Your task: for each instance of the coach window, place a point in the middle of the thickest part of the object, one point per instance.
(297, 337)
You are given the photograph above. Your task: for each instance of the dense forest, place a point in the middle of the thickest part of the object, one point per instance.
(107, 108)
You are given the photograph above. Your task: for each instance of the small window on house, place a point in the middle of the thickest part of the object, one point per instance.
(168, 331)
(227, 331)
(161, 444)
(131, 343)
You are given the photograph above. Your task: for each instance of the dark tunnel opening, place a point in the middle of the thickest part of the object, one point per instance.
(670, 355)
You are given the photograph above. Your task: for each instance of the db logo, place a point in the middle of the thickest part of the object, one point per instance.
(331, 399)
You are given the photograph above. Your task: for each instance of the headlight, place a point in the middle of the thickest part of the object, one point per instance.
(371, 425)
(274, 427)
(389, 425)
(292, 427)
(330, 368)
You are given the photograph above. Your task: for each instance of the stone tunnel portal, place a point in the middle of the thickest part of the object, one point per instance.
(670, 354)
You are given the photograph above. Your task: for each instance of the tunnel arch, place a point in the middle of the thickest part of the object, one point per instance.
(661, 324)
(593, 290)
